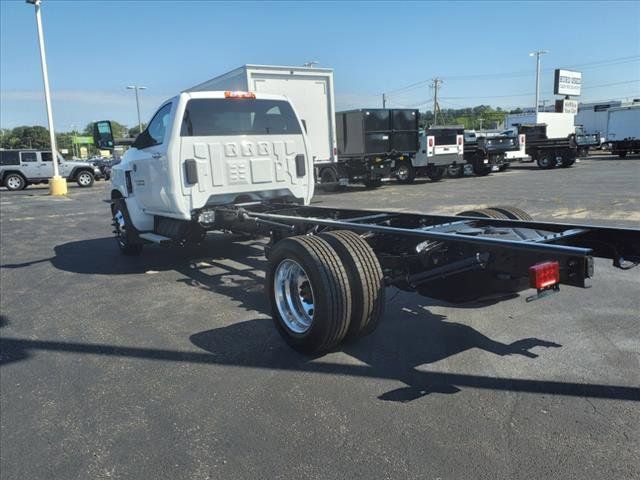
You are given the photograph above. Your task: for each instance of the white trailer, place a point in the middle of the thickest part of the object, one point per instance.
(623, 130)
(310, 90)
(593, 117)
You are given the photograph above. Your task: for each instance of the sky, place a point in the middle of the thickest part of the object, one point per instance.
(479, 49)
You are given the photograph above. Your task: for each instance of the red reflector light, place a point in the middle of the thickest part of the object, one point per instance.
(229, 94)
(430, 141)
(544, 275)
(335, 151)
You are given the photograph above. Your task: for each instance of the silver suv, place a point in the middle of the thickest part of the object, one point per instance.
(19, 168)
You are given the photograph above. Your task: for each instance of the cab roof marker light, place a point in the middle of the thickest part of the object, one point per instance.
(238, 94)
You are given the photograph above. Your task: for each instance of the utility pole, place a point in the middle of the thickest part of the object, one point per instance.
(480, 120)
(537, 54)
(436, 83)
(57, 184)
(136, 88)
(384, 100)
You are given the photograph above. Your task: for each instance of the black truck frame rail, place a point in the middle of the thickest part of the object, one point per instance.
(415, 249)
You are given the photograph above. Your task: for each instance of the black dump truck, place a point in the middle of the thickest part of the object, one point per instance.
(548, 152)
(371, 141)
(485, 153)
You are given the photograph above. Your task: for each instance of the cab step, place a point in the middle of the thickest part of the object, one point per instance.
(155, 238)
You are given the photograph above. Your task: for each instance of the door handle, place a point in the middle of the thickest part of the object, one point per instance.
(156, 155)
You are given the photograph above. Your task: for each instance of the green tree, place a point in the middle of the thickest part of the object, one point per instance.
(119, 130)
(135, 131)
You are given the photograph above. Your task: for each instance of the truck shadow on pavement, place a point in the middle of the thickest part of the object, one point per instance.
(409, 338)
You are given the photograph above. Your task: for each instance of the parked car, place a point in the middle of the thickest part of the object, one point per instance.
(20, 168)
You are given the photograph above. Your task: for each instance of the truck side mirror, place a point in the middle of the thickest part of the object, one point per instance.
(103, 135)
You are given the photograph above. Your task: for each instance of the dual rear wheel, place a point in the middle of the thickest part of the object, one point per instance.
(324, 289)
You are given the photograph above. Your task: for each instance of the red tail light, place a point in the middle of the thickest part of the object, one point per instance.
(523, 139)
(459, 139)
(335, 151)
(430, 139)
(544, 275)
(229, 94)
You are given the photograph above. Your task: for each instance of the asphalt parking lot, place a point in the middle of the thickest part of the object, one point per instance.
(167, 365)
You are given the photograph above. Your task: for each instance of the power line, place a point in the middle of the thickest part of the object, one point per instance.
(594, 64)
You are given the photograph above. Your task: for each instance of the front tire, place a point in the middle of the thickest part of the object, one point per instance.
(126, 236)
(85, 179)
(309, 293)
(15, 182)
(373, 182)
(405, 173)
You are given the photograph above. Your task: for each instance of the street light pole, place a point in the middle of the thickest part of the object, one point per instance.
(136, 88)
(57, 184)
(537, 54)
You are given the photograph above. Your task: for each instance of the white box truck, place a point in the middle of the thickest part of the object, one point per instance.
(559, 125)
(623, 130)
(310, 90)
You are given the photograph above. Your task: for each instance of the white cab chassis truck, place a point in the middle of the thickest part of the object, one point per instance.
(240, 162)
(623, 130)
(310, 91)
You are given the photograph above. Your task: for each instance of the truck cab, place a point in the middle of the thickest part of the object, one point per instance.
(204, 149)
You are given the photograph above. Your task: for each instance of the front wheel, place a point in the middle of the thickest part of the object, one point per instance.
(15, 182)
(85, 179)
(125, 232)
(405, 173)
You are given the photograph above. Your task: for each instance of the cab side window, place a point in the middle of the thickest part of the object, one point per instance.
(46, 156)
(28, 157)
(158, 125)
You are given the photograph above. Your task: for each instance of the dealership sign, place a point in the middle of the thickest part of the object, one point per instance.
(567, 82)
(567, 106)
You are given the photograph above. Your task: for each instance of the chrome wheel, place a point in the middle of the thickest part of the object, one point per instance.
(402, 173)
(293, 296)
(120, 229)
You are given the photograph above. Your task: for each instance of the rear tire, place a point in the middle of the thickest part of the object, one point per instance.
(329, 179)
(483, 213)
(455, 171)
(373, 183)
(15, 182)
(309, 293)
(546, 160)
(365, 281)
(513, 213)
(85, 179)
(435, 174)
(481, 169)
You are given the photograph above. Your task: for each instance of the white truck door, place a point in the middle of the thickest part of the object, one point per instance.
(150, 164)
(46, 166)
(310, 99)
